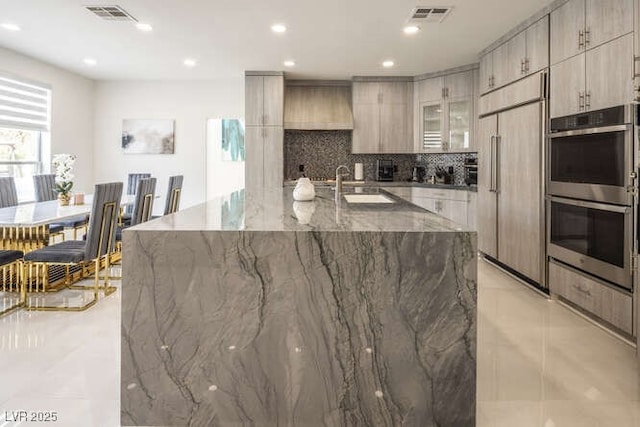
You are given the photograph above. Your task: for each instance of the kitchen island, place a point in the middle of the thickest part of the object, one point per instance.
(255, 310)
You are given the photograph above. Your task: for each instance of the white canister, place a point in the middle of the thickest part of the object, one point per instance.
(304, 190)
(358, 172)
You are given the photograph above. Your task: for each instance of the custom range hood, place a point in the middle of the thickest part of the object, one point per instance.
(318, 105)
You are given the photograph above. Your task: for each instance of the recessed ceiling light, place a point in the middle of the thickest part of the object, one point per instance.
(278, 28)
(144, 27)
(189, 62)
(388, 64)
(10, 27)
(289, 63)
(411, 29)
(90, 62)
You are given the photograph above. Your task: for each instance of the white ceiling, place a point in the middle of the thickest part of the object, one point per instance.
(332, 39)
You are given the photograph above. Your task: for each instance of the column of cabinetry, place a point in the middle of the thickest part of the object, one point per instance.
(445, 113)
(382, 117)
(509, 189)
(591, 56)
(524, 54)
(264, 102)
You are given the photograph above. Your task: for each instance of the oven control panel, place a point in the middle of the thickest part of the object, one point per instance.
(592, 119)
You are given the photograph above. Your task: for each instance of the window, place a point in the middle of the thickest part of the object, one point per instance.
(24, 127)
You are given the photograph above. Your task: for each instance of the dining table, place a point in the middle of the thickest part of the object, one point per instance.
(25, 227)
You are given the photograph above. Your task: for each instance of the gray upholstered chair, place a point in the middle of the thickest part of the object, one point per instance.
(96, 250)
(143, 204)
(132, 181)
(10, 278)
(8, 192)
(45, 190)
(172, 203)
(132, 185)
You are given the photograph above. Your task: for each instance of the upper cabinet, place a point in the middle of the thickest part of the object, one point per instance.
(598, 78)
(264, 100)
(524, 54)
(382, 117)
(579, 25)
(444, 113)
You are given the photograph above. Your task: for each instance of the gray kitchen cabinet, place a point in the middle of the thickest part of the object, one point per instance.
(607, 302)
(537, 37)
(609, 74)
(487, 198)
(264, 159)
(567, 30)
(523, 54)
(382, 117)
(519, 190)
(447, 122)
(264, 112)
(509, 189)
(264, 100)
(579, 25)
(486, 73)
(566, 95)
(598, 78)
(429, 89)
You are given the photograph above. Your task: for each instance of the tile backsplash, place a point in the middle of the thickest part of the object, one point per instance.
(322, 151)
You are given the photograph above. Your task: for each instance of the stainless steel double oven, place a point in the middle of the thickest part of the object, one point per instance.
(591, 181)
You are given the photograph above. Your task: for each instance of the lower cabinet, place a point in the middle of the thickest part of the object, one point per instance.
(458, 206)
(264, 157)
(609, 304)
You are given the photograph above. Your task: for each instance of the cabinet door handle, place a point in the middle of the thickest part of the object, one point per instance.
(587, 37)
(526, 65)
(446, 92)
(580, 101)
(580, 40)
(442, 93)
(585, 292)
(587, 100)
(522, 66)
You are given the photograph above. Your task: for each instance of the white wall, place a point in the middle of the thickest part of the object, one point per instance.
(72, 105)
(189, 103)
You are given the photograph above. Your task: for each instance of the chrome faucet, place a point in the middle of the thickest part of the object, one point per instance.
(339, 180)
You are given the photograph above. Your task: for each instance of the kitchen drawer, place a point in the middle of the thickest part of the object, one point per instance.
(607, 303)
(437, 193)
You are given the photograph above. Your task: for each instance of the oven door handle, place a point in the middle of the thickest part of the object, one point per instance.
(605, 129)
(592, 205)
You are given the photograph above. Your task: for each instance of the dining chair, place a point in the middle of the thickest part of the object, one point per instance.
(143, 203)
(11, 279)
(172, 203)
(132, 185)
(95, 251)
(45, 190)
(132, 181)
(8, 192)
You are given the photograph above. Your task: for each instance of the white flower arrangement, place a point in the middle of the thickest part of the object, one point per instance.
(63, 164)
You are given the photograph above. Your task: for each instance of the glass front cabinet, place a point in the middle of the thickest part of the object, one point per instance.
(446, 125)
(444, 113)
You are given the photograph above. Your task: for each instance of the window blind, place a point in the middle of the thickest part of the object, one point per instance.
(24, 105)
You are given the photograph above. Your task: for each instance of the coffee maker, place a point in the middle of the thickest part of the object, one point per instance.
(384, 170)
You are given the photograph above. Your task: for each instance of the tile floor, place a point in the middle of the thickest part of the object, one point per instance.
(539, 364)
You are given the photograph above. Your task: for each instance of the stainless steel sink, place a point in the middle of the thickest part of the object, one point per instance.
(368, 198)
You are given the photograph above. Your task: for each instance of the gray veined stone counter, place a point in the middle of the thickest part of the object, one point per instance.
(235, 313)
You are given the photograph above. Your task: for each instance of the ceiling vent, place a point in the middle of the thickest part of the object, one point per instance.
(111, 13)
(426, 14)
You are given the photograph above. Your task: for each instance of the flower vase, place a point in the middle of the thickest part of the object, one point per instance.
(64, 199)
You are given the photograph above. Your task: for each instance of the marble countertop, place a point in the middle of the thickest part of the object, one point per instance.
(473, 188)
(275, 210)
